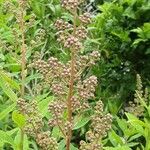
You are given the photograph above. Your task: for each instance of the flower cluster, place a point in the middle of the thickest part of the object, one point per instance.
(136, 107)
(81, 32)
(70, 4)
(85, 18)
(62, 25)
(72, 42)
(46, 142)
(71, 91)
(33, 118)
(87, 88)
(101, 124)
(56, 108)
(34, 125)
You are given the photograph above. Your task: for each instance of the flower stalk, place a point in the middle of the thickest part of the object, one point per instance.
(23, 58)
(71, 88)
(23, 48)
(71, 92)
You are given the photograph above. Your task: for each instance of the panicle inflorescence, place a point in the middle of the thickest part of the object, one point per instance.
(22, 105)
(66, 83)
(70, 4)
(101, 124)
(73, 42)
(81, 32)
(86, 89)
(46, 142)
(62, 25)
(34, 121)
(56, 108)
(85, 18)
(34, 125)
(136, 107)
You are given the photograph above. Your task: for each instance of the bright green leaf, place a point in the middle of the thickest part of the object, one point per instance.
(19, 119)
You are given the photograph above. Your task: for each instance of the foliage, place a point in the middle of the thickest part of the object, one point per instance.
(120, 31)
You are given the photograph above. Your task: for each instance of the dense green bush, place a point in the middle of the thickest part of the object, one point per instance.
(122, 33)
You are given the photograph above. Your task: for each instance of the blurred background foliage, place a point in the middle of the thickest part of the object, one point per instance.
(120, 31)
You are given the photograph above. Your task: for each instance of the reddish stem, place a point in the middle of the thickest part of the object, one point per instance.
(71, 89)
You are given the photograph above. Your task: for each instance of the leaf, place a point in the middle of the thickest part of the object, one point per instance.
(56, 133)
(10, 81)
(133, 118)
(18, 141)
(7, 90)
(136, 123)
(83, 121)
(19, 119)
(61, 145)
(134, 137)
(129, 13)
(25, 143)
(147, 51)
(5, 138)
(43, 105)
(32, 77)
(117, 148)
(115, 139)
(122, 124)
(11, 132)
(72, 147)
(132, 144)
(6, 111)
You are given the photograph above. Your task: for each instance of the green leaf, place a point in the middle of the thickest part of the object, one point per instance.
(135, 122)
(83, 121)
(5, 138)
(133, 118)
(134, 137)
(43, 105)
(132, 144)
(32, 77)
(25, 143)
(117, 148)
(11, 132)
(6, 111)
(115, 139)
(7, 90)
(12, 83)
(72, 147)
(56, 133)
(19, 119)
(61, 145)
(18, 141)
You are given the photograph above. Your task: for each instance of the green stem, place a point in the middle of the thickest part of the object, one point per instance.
(23, 61)
(21, 139)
